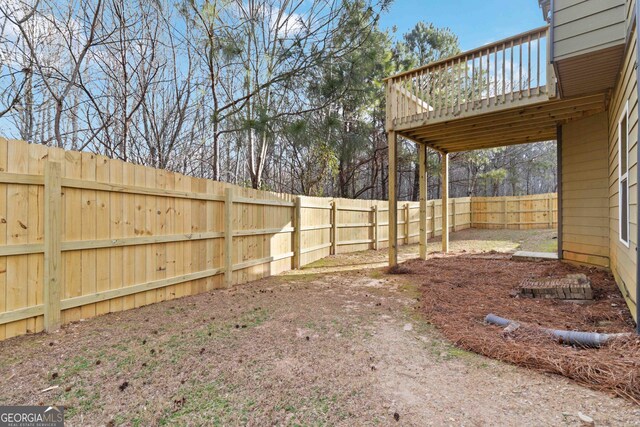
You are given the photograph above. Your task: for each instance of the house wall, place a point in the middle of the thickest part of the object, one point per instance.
(623, 259)
(585, 191)
(583, 26)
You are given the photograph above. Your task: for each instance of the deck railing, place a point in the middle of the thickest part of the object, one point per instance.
(496, 74)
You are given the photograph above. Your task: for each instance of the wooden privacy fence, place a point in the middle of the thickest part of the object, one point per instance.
(516, 213)
(83, 235)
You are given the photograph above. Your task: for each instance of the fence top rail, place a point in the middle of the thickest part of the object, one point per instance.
(268, 202)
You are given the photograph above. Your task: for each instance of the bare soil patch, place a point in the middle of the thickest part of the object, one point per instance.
(338, 343)
(460, 290)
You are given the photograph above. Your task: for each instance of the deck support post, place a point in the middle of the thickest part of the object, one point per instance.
(422, 160)
(393, 199)
(445, 201)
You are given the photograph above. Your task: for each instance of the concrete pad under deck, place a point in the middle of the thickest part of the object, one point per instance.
(534, 256)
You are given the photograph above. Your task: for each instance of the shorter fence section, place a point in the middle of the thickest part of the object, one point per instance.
(515, 213)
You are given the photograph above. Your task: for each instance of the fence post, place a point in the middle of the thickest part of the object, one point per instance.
(471, 212)
(550, 210)
(52, 248)
(519, 214)
(375, 228)
(506, 213)
(406, 223)
(334, 227)
(228, 237)
(453, 214)
(297, 233)
(433, 218)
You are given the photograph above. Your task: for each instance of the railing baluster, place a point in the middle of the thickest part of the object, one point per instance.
(480, 83)
(424, 81)
(398, 89)
(504, 76)
(417, 94)
(420, 91)
(520, 72)
(538, 63)
(432, 92)
(401, 100)
(458, 89)
(413, 93)
(451, 85)
(445, 97)
(473, 84)
(495, 77)
(529, 66)
(396, 102)
(441, 101)
(445, 88)
(405, 101)
(488, 77)
(466, 84)
(511, 81)
(409, 98)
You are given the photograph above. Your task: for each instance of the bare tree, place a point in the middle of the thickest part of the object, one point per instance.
(75, 36)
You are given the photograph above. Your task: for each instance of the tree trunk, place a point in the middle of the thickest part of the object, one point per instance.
(416, 182)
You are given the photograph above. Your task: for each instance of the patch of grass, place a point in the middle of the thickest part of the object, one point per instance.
(120, 346)
(317, 408)
(119, 419)
(411, 290)
(79, 401)
(174, 341)
(456, 352)
(296, 278)
(310, 325)
(149, 367)
(248, 319)
(444, 351)
(545, 245)
(346, 330)
(77, 365)
(254, 318)
(8, 360)
(127, 361)
(203, 404)
(376, 274)
(325, 262)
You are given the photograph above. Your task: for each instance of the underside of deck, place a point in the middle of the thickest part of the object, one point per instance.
(518, 125)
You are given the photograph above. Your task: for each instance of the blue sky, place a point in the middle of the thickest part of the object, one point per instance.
(475, 22)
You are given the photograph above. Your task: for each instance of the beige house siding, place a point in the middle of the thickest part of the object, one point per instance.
(583, 26)
(585, 209)
(623, 259)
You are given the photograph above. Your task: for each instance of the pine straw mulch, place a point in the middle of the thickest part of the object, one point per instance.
(459, 291)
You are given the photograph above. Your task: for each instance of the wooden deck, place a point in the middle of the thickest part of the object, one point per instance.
(500, 94)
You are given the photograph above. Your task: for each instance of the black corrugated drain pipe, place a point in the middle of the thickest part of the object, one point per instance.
(582, 339)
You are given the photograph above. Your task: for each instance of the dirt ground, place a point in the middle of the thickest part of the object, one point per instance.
(338, 343)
